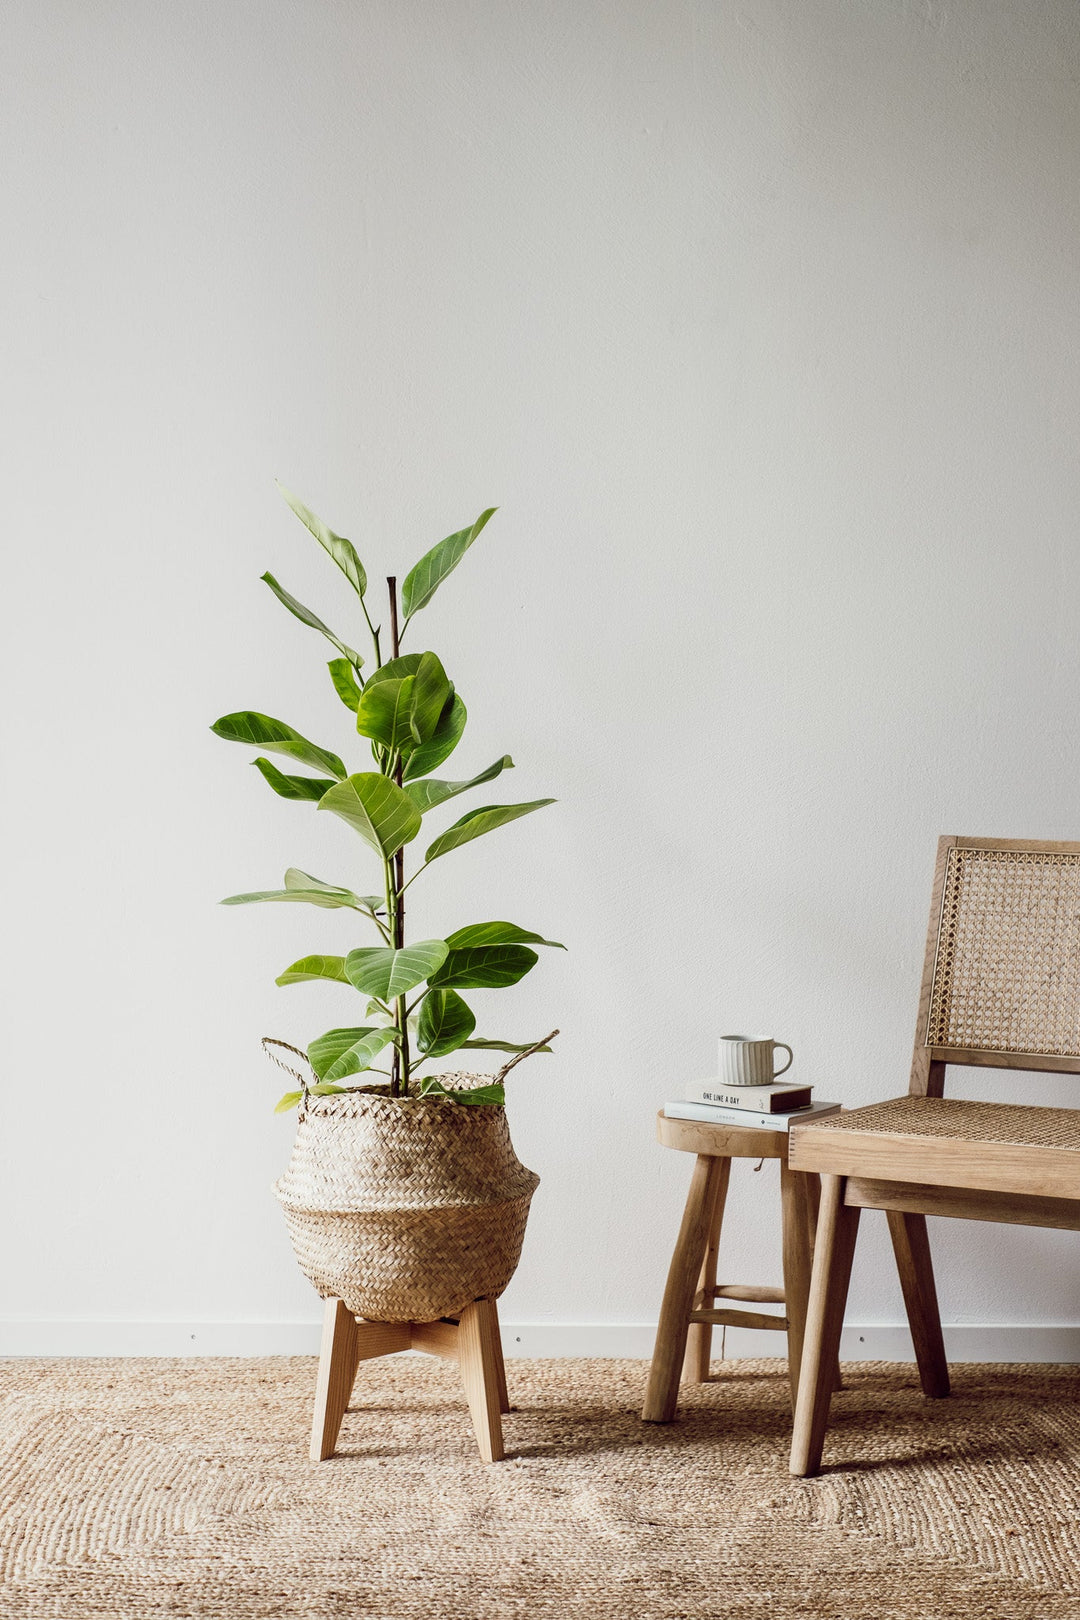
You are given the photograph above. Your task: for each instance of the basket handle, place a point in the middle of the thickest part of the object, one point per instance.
(267, 1042)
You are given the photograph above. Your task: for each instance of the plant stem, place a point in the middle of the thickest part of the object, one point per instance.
(401, 1054)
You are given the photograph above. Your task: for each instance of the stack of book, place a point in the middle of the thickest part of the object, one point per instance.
(770, 1108)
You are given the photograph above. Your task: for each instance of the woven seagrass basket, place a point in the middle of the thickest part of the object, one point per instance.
(407, 1209)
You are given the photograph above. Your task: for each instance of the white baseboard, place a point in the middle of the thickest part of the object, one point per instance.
(879, 1341)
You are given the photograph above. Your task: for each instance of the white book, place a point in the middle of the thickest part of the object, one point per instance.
(778, 1098)
(741, 1116)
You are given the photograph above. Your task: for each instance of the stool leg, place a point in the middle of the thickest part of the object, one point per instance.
(695, 1368)
(662, 1390)
(337, 1368)
(833, 1254)
(478, 1333)
(796, 1251)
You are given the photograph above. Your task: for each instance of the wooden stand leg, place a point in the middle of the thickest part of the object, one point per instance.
(696, 1362)
(662, 1390)
(337, 1369)
(912, 1249)
(478, 1358)
(834, 1251)
(500, 1364)
(813, 1201)
(796, 1252)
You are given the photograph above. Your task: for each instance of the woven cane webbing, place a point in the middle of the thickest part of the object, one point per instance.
(1007, 972)
(958, 1119)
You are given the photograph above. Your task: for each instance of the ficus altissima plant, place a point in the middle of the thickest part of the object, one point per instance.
(409, 714)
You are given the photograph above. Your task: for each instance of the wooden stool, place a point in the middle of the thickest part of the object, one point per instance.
(688, 1314)
(472, 1340)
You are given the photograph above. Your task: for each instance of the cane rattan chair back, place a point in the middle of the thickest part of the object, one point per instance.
(1001, 989)
(1002, 980)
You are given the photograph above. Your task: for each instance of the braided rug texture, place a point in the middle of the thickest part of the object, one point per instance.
(139, 1489)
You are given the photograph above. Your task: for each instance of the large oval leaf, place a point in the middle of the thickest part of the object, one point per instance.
(386, 973)
(396, 668)
(477, 823)
(381, 812)
(444, 740)
(314, 967)
(430, 792)
(497, 933)
(446, 1022)
(329, 899)
(305, 615)
(247, 726)
(341, 550)
(424, 580)
(484, 967)
(311, 788)
(430, 694)
(341, 1052)
(384, 714)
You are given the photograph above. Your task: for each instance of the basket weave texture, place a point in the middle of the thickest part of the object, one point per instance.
(407, 1209)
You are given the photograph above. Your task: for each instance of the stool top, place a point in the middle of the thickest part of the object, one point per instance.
(722, 1141)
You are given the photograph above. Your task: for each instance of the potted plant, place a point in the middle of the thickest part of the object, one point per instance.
(403, 1197)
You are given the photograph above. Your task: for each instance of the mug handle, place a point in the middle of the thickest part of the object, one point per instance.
(790, 1059)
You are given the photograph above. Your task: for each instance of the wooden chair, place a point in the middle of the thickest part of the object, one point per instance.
(689, 1311)
(1001, 989)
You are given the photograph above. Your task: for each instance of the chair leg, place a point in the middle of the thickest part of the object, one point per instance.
(813, 1203)
(696, 1362)
(478, 1358)
(912, 1249)
(338, 1362)
(838, 1227)
(795, 1227)
(662, 1390)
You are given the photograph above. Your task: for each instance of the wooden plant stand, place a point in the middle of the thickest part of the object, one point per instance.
(472, 1340)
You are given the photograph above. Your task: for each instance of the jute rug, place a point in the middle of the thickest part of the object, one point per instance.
(138, 1489)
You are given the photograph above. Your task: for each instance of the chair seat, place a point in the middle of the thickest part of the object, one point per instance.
(948, 1142)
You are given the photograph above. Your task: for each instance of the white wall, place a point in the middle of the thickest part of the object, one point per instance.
(759, 322)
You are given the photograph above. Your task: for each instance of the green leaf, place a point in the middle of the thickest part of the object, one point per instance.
(305, 615)
(381, 812)
(477, 823)
(430, 792)
(444, 740)
(445, 1023)
(329, 899)
(384, 714)
(503, 1046)
(342, 1052)
(246, 726)
(386, 973)
(430, 693)
(346, 685)
(294, 787)
(497, 933)
(395, 669)
(341, 550)
(314, 967)
(291, 1098)
(424, 580)
(474, 1097)
(295, 879)
(485, 967)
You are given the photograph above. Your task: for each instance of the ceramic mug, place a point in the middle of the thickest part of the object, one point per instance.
(747, 1060)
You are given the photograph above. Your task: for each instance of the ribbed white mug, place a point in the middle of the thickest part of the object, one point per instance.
(747, 1060)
